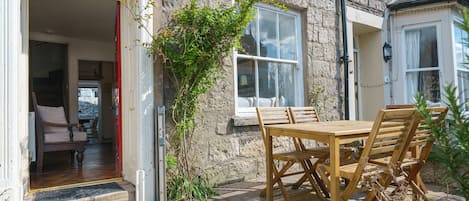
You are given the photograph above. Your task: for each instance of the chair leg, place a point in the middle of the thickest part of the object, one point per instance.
(277, 179)
(39, 161)
(314, 184)
(319, 181)
(80, 158)
(72, 156)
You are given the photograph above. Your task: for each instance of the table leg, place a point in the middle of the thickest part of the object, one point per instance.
(268, 162)
(334, 166)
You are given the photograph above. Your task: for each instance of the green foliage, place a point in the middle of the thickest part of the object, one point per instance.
(189, 188)
(452, 140)
(193, 48)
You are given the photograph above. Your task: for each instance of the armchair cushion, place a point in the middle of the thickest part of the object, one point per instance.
(64, 137)
(53, 115)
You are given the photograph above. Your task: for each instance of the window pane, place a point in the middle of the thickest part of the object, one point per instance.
(249, 39)
(287, 33)
(286, 85)
(463, 86)
(421, 48)
(246, 83)
(267, 83)
(268, 33)
(460, 47)
(426, 82)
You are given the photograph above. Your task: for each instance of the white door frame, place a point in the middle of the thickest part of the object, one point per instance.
(357, 16)
(13, 104)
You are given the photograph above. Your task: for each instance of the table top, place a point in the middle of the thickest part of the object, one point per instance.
(326, 128)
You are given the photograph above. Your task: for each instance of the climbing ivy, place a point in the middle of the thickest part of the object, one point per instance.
(192, 48)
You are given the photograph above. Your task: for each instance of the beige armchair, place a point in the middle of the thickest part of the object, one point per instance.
(54, 133)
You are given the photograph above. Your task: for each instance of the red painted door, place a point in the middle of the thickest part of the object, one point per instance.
(117, 91)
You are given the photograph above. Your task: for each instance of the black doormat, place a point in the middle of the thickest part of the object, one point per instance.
(77, 193)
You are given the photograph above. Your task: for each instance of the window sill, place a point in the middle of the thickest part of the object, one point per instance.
(245, 121)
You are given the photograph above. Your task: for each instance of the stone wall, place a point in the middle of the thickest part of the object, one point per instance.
(229, 153)
(372, 6)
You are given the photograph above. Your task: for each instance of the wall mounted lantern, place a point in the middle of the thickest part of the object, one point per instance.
(387, 52)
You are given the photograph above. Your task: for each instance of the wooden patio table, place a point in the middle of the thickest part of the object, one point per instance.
(333, 133)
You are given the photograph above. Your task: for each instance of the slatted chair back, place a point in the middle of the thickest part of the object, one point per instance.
(272, 116)
(304, 114)
(423, 134)
(400, 106)
(391, 134)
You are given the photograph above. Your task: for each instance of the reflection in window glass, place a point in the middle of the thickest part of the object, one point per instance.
(287, 37)
(246, 83)
(421, 48)
(268, 33)
(269, 80)
(421, 53)
(267, 83)
(463, 86)
(249, 40)
(425, 82)
(286, 84)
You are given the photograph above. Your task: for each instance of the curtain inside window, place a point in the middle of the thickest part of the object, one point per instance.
(412, 39)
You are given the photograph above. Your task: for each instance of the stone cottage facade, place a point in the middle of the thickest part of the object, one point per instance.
(228, 145)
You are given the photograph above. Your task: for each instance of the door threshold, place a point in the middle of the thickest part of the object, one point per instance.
(89, 183)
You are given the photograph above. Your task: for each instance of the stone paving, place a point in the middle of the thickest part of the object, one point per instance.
(250, 191)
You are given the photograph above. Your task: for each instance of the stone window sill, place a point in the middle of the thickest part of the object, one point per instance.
(245, 121)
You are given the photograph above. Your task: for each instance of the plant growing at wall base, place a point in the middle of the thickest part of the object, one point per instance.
(452, 140)
(193, 48)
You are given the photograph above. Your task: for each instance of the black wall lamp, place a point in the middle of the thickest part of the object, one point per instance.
(387, 52)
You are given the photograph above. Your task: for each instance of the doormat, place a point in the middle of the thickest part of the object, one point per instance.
(78, 193)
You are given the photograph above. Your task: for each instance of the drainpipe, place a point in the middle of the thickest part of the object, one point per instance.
(345, 58)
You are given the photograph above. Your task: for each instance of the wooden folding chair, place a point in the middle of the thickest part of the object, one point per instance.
(321, 151)
(280, 115)
(391, 133)
(420, 146)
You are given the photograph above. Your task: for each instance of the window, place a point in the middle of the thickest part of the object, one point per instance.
(422, 69)
(462, 68)
(268, 67)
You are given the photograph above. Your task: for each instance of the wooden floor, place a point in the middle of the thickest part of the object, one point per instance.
(98, 164)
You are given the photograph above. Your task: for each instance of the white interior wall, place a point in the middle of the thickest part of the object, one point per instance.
(78, 49)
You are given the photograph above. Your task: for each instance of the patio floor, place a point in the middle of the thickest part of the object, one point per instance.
(250, 190)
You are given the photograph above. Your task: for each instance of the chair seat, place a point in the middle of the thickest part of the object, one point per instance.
(385, 161)
(323, 152)
(292, 156)
(64, 137)
(348, 170)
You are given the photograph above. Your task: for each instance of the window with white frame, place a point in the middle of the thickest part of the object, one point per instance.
(422, 69)
(462, 67)
(268, 67)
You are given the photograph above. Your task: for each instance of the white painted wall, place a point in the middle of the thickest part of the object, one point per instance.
(137, 104)
(13, 110)
(439, 15)
(78, 49)
(371, 74)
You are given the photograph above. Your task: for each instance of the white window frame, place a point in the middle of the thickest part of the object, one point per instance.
(404, 57)
(298, 63)
(455, 22)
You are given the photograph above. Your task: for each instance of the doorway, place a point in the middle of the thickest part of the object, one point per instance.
(72, 65)
(368, 75)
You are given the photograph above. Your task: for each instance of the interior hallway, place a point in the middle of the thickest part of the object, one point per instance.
(98, 164)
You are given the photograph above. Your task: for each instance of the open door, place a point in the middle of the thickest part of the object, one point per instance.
(117, 91)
